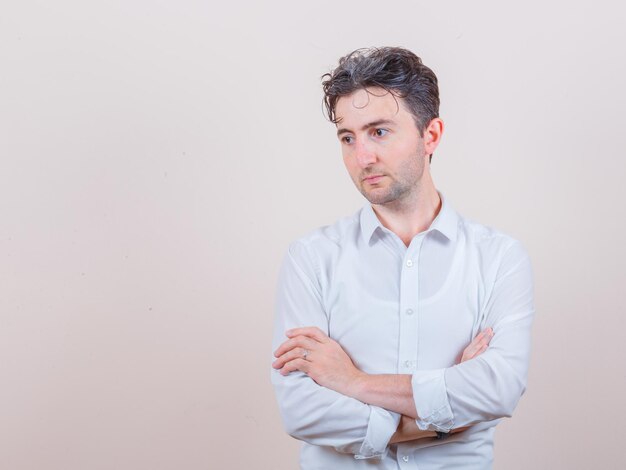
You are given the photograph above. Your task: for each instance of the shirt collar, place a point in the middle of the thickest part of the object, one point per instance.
(446, 221)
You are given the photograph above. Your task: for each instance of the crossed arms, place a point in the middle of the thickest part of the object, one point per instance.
(311, 351)
(325, 400)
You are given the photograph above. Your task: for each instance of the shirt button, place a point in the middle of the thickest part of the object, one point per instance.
(409, 311)
(405, 458)
(409, 263)
(407, 363)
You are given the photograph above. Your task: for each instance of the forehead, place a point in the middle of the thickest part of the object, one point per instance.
(368, 104)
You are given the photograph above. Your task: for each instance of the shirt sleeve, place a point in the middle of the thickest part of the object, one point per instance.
(489, 386)
(310, 412)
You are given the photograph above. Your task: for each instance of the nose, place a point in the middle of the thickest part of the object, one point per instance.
(364, 153)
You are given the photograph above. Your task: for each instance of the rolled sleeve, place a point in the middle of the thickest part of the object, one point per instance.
(311, 413)
(431, 401)
(382, 425)
(489, 386)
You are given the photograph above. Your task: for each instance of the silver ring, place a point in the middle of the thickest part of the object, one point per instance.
(305, 354)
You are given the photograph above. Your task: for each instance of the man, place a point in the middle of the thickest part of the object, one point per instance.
(374, 314)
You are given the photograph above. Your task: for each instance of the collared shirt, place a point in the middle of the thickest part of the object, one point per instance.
(406, 310)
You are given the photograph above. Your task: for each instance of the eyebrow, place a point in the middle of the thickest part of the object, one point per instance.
(379, 122)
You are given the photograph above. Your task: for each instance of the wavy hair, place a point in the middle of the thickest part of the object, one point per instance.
(394, 69)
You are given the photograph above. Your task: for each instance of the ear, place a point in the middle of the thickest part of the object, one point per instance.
(432, 135)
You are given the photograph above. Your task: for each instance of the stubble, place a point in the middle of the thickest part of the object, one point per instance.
(401, 187)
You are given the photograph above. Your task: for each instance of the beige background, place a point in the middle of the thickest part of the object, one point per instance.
(157, 157)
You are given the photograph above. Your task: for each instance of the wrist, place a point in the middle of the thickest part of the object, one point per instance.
(358, 385)
(408, 431)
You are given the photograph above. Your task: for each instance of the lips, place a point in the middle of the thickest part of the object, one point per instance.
(372, 179)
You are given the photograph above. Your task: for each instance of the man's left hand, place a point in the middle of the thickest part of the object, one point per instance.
(311, 351)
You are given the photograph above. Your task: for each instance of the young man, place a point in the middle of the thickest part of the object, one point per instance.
(374, 314)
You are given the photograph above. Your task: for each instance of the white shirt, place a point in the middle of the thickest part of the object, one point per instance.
(399, 310)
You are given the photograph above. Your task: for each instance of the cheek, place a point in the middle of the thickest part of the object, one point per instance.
(348, 161)
(406, 147)
(412, 166)
(352, 168)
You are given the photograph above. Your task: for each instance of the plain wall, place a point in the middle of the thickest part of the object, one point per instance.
(156, 158)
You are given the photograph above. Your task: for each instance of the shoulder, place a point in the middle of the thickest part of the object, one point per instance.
(322, 242)
(327, 237)
(491, 244)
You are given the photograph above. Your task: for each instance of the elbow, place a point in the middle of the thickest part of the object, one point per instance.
(508, 386)
(305, 433)
(294, 424)
(503, 410)
(485, 390)
(317, 432)
(300, 428)
(505, 406)
(296, 429)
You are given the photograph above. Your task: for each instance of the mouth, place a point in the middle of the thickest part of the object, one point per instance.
(373, 179)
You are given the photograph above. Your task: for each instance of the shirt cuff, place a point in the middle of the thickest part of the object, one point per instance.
(431, 401)
(381, 426)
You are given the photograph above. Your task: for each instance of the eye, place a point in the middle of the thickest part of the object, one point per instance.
(380, 132)
(347, 139)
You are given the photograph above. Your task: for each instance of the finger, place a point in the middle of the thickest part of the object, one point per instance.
(479, 352)
(484, 341)
(471, 350)
(487, 337)
(465, 354)
(474, 345)
(297, 364)
(299, 341)
(474, 352)
(482, 338)
(480, 334)
(310, 331)
(486, 333)
(289, 356)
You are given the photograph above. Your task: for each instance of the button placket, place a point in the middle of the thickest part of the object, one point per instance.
(404, 456)
(409, 295)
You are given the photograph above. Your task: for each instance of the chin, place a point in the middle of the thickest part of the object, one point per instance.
(377, 198)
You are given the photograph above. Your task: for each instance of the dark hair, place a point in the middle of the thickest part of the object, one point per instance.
(394, 69)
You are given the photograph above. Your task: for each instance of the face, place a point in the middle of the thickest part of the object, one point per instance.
(381, 145)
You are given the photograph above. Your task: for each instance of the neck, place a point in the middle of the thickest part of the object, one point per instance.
(412, 214)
